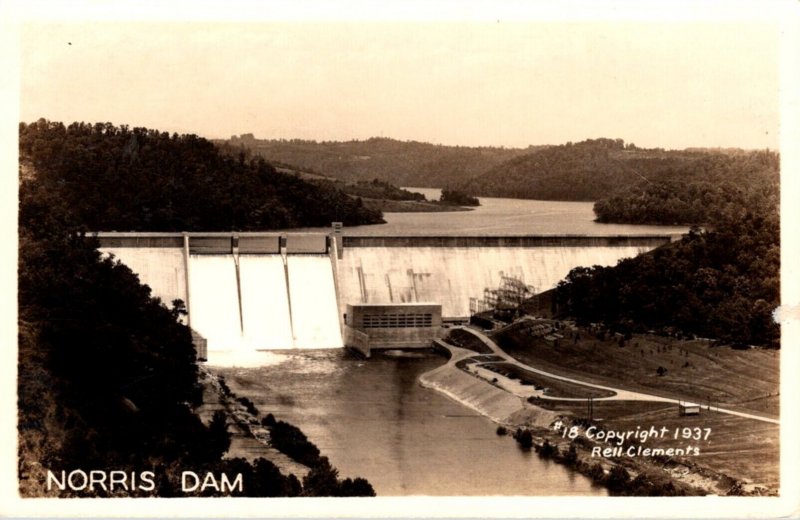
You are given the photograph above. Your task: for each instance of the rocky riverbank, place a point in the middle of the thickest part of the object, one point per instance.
(249, 439)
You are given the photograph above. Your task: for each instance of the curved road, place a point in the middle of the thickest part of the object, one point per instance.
(621, 395)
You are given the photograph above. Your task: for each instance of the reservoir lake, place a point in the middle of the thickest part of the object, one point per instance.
(496, 216)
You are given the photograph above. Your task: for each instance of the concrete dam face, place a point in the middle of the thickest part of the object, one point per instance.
(451, 270)
(256, 291)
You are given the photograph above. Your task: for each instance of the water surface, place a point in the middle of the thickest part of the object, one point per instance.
(373, 420)
(496, 216)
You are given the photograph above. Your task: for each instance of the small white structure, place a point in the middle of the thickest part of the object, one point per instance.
(688, 409)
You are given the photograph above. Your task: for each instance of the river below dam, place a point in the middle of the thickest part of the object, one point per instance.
(372, 419)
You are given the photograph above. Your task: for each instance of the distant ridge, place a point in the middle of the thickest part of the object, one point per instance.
(586, 171)
(402, 163)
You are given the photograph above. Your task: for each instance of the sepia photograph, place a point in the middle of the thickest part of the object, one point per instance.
(463, 260)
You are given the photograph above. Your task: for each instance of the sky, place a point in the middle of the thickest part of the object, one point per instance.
(495, 83)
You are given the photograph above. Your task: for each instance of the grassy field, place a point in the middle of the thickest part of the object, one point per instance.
(554, 387)
(746, 380)
(741, 448)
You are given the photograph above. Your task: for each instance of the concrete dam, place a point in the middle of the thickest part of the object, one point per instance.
(258, 291)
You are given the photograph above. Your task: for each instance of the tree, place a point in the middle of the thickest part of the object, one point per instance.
(617, 478)
(524, 438)
(571, 455)
(220, 437)
(269, 482)
(321, 481)
(458, 198)
(356, 488)
(596, 472)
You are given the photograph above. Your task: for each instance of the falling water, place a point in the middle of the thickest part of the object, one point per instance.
(315, 315)
(265, 302)
(272, 302)
(214, 304)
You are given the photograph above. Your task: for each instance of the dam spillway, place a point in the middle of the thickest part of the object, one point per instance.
(314, 306)
(256, 291)
(243, 292)
(271, 303)
(215, 300)
(265, 302)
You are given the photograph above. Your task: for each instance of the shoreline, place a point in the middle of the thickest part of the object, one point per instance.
(515, 415)
(411, 206)
(249, 439)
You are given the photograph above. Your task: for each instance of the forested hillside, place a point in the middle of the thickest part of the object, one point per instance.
(720, 282)
(402, 163)
(116, 178)
(107, 376)
(677, 184)
(713, 189)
